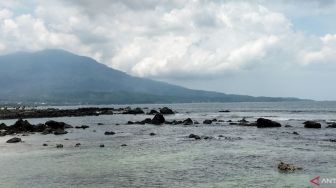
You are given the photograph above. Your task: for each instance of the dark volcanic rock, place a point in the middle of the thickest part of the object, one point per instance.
(134, 111)
(109, 133)
(333, 125)
(158, 119)
(196, 137)
(153, 112)
(82, 127)
(14, 140)
(207, 121)
(224, 111)
(67, 126)
(3, 126)
(60, 132)
(55, 125)
(188, 122)
(266, 123)
(166, 110)
(147, 120)
(21, 126)
(312, 125)
(284, 167)
(296, 133)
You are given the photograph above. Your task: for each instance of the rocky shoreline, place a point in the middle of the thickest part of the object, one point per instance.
(23, 113)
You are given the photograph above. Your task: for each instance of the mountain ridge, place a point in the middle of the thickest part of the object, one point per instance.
(57, 76)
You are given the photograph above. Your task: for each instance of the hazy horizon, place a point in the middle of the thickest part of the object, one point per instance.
(259, 48)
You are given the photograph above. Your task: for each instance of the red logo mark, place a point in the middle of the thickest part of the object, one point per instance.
(315, 181)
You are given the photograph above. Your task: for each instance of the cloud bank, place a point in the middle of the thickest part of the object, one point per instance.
(176, 39)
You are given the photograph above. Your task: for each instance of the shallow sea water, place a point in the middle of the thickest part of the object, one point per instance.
(170, 159)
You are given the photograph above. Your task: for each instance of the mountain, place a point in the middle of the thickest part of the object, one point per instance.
(60, 77)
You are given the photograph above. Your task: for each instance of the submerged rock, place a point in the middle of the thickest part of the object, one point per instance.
(188, 122)
(153, 112)
(207, 121)
(312, 125)
(82, 127)
(59, 145)
(109, 133)
(166, 110)
(44, 144)
(152, 134)
(158, 119)
(78, 144)
(285, 167)
(101, 145)
(333, 125)
(123, 145)
(134, 111)
(14, 140)
(60, 132)
(55, 125)
(130, 123)
(266, 123)
(224, 111)
(196, 137)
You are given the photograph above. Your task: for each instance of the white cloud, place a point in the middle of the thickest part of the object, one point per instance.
(166, 38)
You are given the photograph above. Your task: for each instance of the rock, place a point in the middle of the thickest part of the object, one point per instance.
(21, 126)
(109, 133)
(266, 123)
(47, 131)
(100, 123)
(82, 127)
(196, 122)
(288, 126)
(214, 120)
(207, 121)
(78, 144)
(60, 132)
(101, 145)
(243, 121)
(123, 145)
(40, 127)
(332, 140)
(312, 125)
(147, 120)
(224, 111)
(158, 119)
(130, 123)
(45, 144)
(152, 134)
(296, 133)
(3, 126)
(196, 137)
(153, 112)
(134, 111)
(284, 167)
(188, 122)
(67, 126)
(59, 145)
(14, 140)
(55, 125)
(333, 125)
(166, 110)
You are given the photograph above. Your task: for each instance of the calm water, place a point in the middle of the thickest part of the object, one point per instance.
(170, 159)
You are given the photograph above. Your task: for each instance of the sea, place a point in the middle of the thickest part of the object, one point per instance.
(233, 156)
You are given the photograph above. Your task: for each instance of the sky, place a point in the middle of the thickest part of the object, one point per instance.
(283, 48)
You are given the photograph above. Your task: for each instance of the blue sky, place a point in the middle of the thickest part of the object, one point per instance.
(263, 48)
